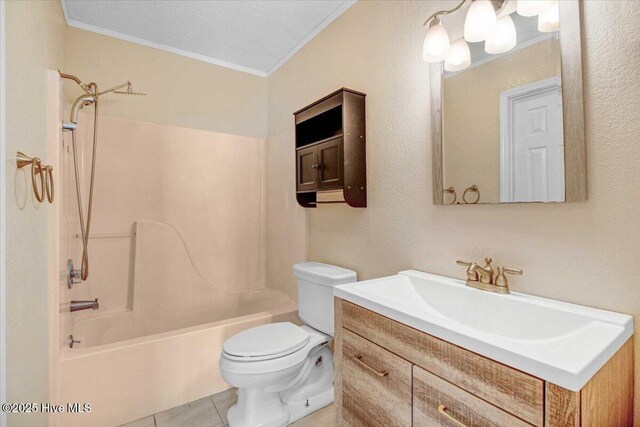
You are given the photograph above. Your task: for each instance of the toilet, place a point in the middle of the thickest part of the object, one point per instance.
(284, 372)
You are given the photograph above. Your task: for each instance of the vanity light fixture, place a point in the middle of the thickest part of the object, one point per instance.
(503, 37)
(488, 21)
(436, 43)
(549, 20)
(533, 7)
(459, 56)
(480, 21)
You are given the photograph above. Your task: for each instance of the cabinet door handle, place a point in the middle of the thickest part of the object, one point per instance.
(359, 360)
(443, 410)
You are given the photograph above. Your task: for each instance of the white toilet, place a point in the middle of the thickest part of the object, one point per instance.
(284, 372)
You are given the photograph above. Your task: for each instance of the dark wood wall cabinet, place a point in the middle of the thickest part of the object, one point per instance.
(331, 150)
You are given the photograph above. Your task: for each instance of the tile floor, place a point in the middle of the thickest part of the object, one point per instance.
(212, 412)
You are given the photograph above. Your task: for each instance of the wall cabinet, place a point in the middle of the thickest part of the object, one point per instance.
(331, 150)
(389, 374)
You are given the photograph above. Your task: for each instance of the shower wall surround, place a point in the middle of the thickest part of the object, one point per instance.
(177, 253)
(206, 185)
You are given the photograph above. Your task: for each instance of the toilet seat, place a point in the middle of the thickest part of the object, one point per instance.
(266, 342)
(274, 362)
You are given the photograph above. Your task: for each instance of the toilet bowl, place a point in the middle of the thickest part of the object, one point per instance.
(284, 372)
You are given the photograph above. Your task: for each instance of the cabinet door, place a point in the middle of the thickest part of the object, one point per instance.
(307, 169)
(376, 385)
(330, 165)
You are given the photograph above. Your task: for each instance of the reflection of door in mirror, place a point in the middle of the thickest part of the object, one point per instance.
(531, 143)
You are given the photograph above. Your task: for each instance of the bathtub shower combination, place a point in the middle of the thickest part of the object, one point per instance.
(174, 273)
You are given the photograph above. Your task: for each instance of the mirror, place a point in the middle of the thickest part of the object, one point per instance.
(508, 127)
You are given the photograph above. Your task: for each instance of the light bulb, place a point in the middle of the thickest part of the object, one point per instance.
(480, 21)
(459, 56)
(436, 43)
(533, 7)
(549, 20)
(503, 37)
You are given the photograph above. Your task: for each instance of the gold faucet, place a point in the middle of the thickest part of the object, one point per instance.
(484, 278)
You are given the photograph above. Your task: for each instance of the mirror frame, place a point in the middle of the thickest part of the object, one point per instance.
(575, 168)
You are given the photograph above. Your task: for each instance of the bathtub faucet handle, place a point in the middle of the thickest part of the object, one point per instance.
(73, 276)
(72, 341)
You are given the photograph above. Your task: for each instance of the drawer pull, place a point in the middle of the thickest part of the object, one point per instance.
(359, 360)
(443, 410)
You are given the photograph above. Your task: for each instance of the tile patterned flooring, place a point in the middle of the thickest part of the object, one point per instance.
(212, 412)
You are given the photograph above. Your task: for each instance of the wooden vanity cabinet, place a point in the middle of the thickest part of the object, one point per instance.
(388, 374)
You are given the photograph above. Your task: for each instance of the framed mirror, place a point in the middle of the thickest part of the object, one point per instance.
(507, 113)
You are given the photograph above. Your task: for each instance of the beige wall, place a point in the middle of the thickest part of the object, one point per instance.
(180, 91)
(471, 115)
(35, 43)
(585, 253)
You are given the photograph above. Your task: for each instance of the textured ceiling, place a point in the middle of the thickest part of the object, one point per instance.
(252, 36)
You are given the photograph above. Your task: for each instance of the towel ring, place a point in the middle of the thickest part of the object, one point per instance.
(451, 190)
(23, 160)
(48, 171)
(472, 188)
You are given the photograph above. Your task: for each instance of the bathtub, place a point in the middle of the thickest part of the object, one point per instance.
(163, 349)
(125, 378)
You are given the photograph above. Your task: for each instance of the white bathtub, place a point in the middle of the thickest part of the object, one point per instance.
(127, 379)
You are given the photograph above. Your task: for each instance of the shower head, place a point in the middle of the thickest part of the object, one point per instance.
(80, 103)
(129, 90)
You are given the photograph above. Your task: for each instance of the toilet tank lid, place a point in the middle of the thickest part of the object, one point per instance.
(324, 274)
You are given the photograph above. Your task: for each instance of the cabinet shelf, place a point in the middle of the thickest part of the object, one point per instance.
(330, 142)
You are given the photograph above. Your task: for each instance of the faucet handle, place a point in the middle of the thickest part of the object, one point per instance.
(472, 274)
(501, 282)
(516, 271)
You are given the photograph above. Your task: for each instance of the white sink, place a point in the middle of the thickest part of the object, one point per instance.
(562, 343)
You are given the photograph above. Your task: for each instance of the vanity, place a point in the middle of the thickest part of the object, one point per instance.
(426, 350)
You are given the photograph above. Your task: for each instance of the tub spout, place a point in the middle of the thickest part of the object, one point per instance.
(84, 305)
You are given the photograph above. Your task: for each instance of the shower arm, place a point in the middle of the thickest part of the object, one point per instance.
(84, 86)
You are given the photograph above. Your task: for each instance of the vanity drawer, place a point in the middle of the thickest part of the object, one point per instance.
(376, 384)
(437, 402)
(514, 391)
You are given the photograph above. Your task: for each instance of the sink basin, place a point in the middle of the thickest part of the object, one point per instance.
(562, 343)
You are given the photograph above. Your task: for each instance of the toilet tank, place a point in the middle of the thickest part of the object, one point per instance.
(315, 292)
